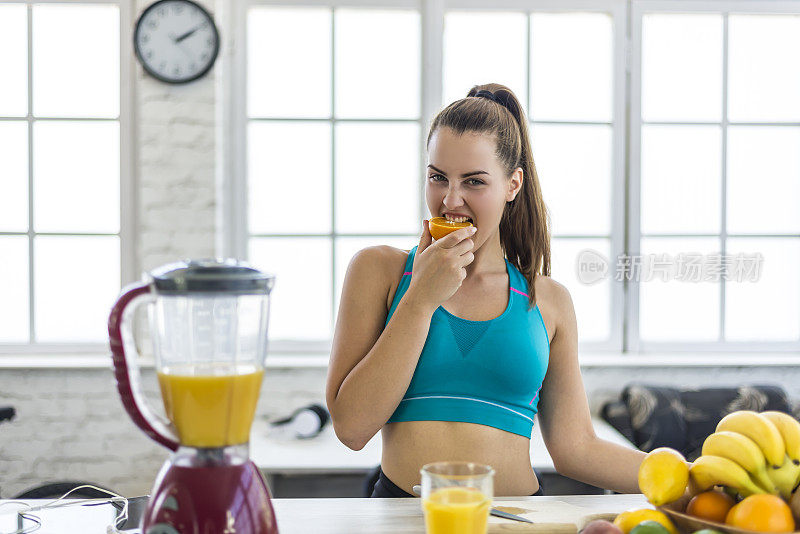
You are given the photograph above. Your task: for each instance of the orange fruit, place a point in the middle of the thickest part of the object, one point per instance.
(710, 505)
(762, 513)
(440, 226)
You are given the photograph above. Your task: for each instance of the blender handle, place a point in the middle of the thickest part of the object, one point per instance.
(127, 372)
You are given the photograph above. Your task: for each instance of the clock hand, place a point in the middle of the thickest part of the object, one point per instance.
(187, 34)
(183, 49)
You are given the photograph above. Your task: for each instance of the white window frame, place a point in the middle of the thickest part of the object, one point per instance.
(638, 9)
(617, 9)
(233, 215)
(626, 124)
(128, 261)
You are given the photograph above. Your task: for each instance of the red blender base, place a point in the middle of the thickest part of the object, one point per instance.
(218, 499)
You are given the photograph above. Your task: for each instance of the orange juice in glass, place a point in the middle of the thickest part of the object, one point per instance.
(456, 497)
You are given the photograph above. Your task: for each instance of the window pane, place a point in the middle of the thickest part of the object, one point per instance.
(77, 280)
(768, 309)
(301, 299)
(676, 310)
(471, 44)
(377, 178)
(76, 176)
(573, 163)
(681, 67)
(763, 179)
(14, 60)
(14, 288)
(681, 179)
(14, 173)
(289, 62)
(346, 248)
(592, 301)
(76, 66)
(571, 66)
(763, 74)
(289, 175)
(377, 64)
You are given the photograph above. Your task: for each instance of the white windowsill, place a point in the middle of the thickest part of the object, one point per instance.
(301, 361)
(103, 361)
(690, 359)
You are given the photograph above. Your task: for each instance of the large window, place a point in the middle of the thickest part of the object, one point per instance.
(333, 126)
(715, 137)
(62, 127)
(561, 64)
(659, 129)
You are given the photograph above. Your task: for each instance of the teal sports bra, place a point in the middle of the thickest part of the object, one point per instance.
(484, 372)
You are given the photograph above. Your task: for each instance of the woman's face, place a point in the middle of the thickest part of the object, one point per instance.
(465, 177)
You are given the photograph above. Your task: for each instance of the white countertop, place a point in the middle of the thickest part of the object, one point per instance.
(557, 514)
(551, 515)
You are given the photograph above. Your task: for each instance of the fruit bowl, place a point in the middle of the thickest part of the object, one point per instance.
(688, 523)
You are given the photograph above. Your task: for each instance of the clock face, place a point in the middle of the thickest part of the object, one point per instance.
(176, 41)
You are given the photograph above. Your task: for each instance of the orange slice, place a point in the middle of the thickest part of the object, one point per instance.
(440, 226)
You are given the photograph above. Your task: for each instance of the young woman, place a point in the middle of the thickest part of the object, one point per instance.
(451, 348)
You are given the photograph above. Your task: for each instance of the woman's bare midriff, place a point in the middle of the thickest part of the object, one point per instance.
(407, 446)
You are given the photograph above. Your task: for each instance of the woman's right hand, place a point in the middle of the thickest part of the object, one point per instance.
(439, 267)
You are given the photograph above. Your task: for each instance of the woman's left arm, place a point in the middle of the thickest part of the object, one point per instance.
(564, 415)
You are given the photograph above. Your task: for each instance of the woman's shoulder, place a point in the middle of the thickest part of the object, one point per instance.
(552, 292)
(384, 264)
(549, 288)
(394, 261)
(554, 301)
(382, 261)
(383, 256)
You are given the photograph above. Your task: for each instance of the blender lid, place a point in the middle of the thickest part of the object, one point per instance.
(211, 275)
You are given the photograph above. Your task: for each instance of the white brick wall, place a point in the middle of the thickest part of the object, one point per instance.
(71, 425)
(176, 152)
(70, 422)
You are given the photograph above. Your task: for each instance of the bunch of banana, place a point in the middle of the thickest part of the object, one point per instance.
(751, 453)
(759, 429)
(744, 452)
(786, 477)
(709, 471)
(790, 431)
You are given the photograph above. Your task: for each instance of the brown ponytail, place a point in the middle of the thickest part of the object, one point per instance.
(524, 226)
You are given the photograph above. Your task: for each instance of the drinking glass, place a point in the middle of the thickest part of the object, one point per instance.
(456, 497)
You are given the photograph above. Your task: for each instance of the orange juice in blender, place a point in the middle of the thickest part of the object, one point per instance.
(456, 511)
(211, 409)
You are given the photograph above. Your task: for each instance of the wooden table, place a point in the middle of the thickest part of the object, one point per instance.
(404, 516)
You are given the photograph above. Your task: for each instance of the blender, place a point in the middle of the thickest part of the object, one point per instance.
(208, 323)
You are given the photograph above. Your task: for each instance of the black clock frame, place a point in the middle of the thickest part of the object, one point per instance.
(156, 75)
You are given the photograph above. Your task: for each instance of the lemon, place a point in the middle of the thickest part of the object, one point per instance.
(627, 520)
(663, 476)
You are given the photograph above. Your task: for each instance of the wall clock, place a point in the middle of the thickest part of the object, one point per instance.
(176, 41)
